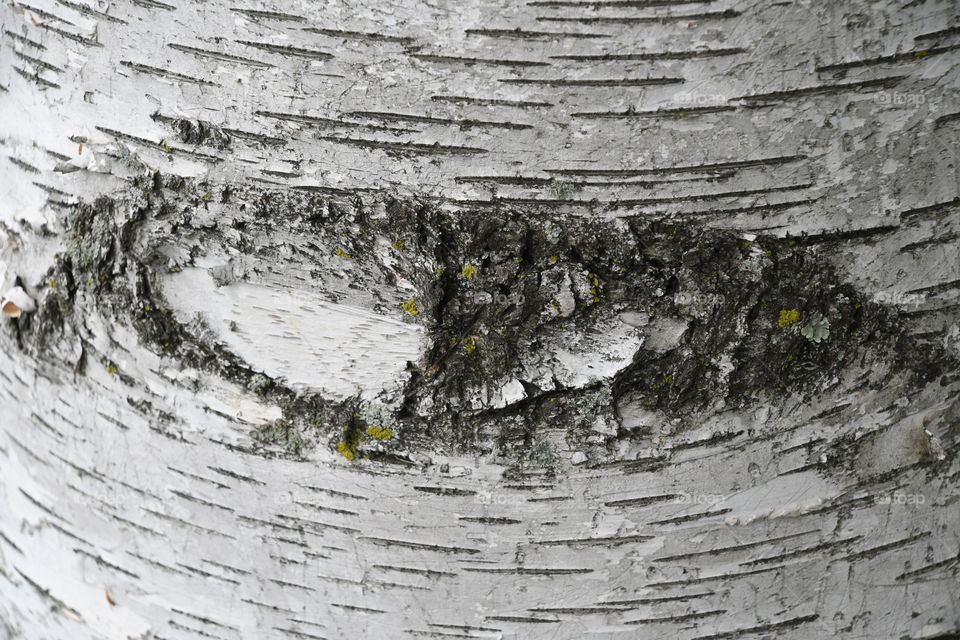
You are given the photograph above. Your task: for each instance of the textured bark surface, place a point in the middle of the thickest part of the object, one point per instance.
(483, 321)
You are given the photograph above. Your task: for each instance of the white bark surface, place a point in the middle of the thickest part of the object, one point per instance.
(135, 501)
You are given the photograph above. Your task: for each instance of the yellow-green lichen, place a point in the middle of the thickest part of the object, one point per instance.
(348, 446)
(469, 271)
(380, 433)
(470, 343)
(595, 289)
(410, 306)
(347, 450)
(342, 254)
(788, 318)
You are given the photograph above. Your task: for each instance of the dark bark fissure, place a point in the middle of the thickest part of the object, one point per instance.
(489, 290)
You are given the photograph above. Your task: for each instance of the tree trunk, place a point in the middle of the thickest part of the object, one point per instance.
(557, 319)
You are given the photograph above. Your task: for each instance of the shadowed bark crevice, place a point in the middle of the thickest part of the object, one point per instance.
(683, 321)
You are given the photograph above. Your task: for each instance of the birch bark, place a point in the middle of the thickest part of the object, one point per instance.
(559, 319)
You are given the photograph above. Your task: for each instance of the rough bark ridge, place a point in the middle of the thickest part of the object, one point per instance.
(574, 319)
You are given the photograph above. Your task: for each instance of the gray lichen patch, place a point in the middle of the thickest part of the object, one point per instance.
(529, 320)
